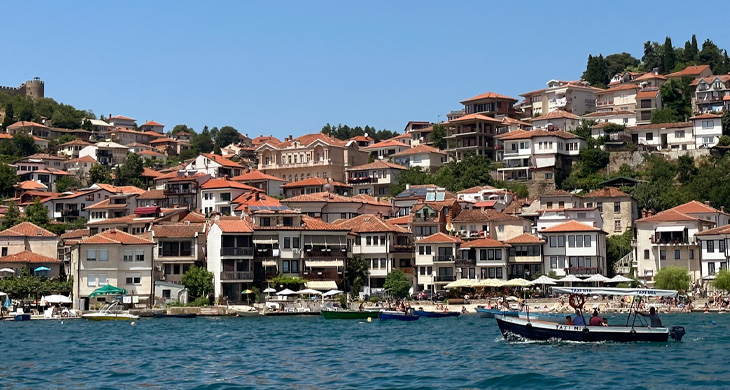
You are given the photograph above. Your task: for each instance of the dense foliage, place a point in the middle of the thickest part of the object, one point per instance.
(722, 280)
(396, 284)
(29, 286)
(198, 281)
(617, 246)
(357, 273)
(20, 108)
(672, 278)
(290, 282)
(345, 132)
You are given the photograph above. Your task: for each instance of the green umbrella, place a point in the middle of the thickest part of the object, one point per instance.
(247, 291)
(108, 290)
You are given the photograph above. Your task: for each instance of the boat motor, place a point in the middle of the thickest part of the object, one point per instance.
(676, 333)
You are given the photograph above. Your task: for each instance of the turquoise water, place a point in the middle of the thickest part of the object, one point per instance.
(309, 352)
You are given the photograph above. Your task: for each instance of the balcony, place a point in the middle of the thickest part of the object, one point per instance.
(445, 258)
(179, 191)
(583, 270)
(322, 275)
(359, 180)
(400, 248)
(604, 103)
(407, 270)
(237, 275)
(338, 252)
(466, 262)
(70, 213)
(236, 251)
(445, 278)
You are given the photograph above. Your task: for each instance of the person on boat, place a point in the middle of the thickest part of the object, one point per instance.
(653, 317)
(569, 320)
(578, 319)
(595, 320)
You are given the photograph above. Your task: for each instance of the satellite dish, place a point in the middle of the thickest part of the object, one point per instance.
(366, 135)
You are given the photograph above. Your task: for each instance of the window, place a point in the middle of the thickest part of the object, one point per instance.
(662, 254)
(139, 255)
(616, 207)
(421, 250)
(101, 279)
(285, 266)
(548, 175)
(561, 241)
(287, 243)
(561, 205)
(382, 240)
(295, 266)
(383, 263)
(428, 249)
(617, 225)
(128, 255)
(600, 207)
(500, 228)
(91, 255)
(579, 241)
(5, 251)
(225, 210)
(649, 136)
(571, 241)
(646, 254)
(369, 241)
(295, 242)
(553, 241)
(288, 221)
(553, 262)
(265, 221)
(482, 254)
(721, 245)
(710, 246)
(549, 205)
(587, 241)
(91, 280)
(134, 279)
(708, 124)
(711, 268)
(691, 253)
(499, 273)
(677, 254)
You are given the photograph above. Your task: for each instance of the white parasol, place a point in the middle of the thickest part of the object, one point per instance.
(620, 279)
(286, 291)
(270, 290)
(597, 278)
(332, 292)
(543, 280)
(570, 278)
(56, 299)
(309, 291)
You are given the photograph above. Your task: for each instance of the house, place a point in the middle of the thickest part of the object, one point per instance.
(624, 118)
(511, 124)
(576, 97)
(664, 136)
(374, 178)
(650, 80)
(694, 71)
(271, 185)
(363, 141)
(106, 153)
(648, 100)
(80, 167)
(27, 236)
(714, 256)
(471, 224)
(183, 189)
(136, 147)
(618, 209)
(383, 150)
(229, 255)
(525, 256)
(707, 130)
(404, 202)
(48, 177)
(313, 185)
(403, 138)
(422, 156)
(121, 121)
(483, 258)
(436, 257)
(255, 201)
(100, 126)
(157, 158)
(166, 145)
(178, 247)
(216, 195)
(214, 165)
(574, 248)
(317, 155)
(710, 93)
(330, 207)
(116, 258)
(152, 198)
(153, 126)
(421, 134)
(485, 197)
(433, 216)
(472, 133)
(589, 216)
(539, 155)
(261, 139)
(383, 245)
(38, 161)
(115, 206)
(69, 207)
(32, 128)
(555, 120)
(139, 222)
(618, 98)
(490, 104)
(71, 149)
(32, 261)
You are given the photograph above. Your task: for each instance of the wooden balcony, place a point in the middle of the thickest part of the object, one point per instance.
(237, 276)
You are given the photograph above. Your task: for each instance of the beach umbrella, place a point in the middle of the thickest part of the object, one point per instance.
(543, 280)
(247, 291)
(570, 279)
(108, 290)
(42, 268)
(309, 291)
(489, 283)
(7, 270)
(56, 299)
(7, 301)
(615, 279)
(597, 278)
(461, 283)
(270, 290)
(332, 292)
(518, 282)
(286, 291)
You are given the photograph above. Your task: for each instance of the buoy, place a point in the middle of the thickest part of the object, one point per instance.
(370, 319)
(133, 324)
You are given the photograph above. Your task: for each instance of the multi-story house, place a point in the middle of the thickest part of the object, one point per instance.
(490, 104)
(476, 223)
(589, 216)
(80, 167)
(71, 149)
(710, 93)
(422, 156)
(525, 256)
(374, 178)
(707, 129)
(650, 80)
(619, 98)
(48, 177)
(313, 185)
(229, 256)
(403, 203)
(271, 185)
(704, 211)
(714, 251)
(618, 209)
(182, 190)
(116, 258)
(556, 120)
(178, 247)
(472, 133)
(38, 161)
(215, 166)
(153, 126)
(156, 158)
(27, 236)
(216, 195)
(574, 248)
(115, 206)
(625, 118)
(539, 155)
(484, 258)
(383, 150)
(694, 71)
(421, 135)
(664, 136)
(318, 155)
(330, 207)
(668, 239)
(433, 216)
(32, 262)
(383, 245)
(485, 197)
(68, 208)
(106, 153)
(436, 257)
(577, 97)
(648, 100)
(121, 121)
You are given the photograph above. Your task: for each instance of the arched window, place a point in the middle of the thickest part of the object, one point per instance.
(296, 177)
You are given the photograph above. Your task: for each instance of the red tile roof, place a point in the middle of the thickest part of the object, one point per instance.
(693, 70)
(150, 153)
(311, 223)
(368, 223)
(654, 126)
(234, 226)
(707, 116)
(194, 217)
(82, 159)
(695, 207)
(178, 230)
(650, 76)
(421, 148)
(385, 144)
(30, 185)
(308, 139)
(512, 121)
(314, 181)
(489, 95)
(525, 238)
(608, 113)
(526, 134)
(152, 123)
(484, 243)
(74, 142)
(255, 175)
(570, 226)
(404, 220)
(248, 200)
(152, 194)
(670, 215)
(149, 172)
(227, 183)
(262, 140)
(26, 229)
(78, 233)
(28, 257)
(557, 114)
(439, 238)
(122, 117)
(377, 164)
(21, 124)
(606, 192)
(114, 236)
(718, 230)
(472, 117)
(163, 140)
(361, 138)
(222, 161)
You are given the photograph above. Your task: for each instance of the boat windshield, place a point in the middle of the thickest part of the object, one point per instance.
(644, 292)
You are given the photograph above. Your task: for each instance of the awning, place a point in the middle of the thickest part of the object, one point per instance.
(515, 158)
(268, 263)
(646, 292)
(266, 242)
(147, 210)
(324, 263)
(322, 285)
(670, 229)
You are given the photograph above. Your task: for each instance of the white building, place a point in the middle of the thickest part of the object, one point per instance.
(714, 251)
(216, 195)
(707, 130)
(664, 136)
(538, 154)
(574, 248)
(436, 257)
(421, 156)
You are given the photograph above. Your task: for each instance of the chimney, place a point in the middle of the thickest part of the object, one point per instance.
(225, 177)
(651, 212)
(722, 209)
(380, 215)
(655, 71)
(707, 203)
(644, 213)
(256, 196)
(408, 186)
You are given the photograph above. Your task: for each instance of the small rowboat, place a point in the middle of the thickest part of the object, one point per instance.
(436, 314)
(397, 315)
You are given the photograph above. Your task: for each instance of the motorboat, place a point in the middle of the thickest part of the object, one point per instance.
(546, 317)
(436, 314)
(111, 311)
(490, 313)
(397, 315)
(332, 314)
(630, 331)
(165, 315)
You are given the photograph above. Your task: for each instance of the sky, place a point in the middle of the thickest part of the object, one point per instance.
(289, 67)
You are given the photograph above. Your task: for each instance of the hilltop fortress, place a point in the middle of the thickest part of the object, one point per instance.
(33, 89)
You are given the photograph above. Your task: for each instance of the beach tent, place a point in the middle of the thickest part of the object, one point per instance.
(461, 283)
(519, 282)
(489, 283)
(286, 291)
(108, 290)
(597, 278)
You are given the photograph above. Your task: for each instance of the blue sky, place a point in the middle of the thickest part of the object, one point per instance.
(290, 67)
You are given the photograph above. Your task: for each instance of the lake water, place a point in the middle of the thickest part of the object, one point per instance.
(309, 352)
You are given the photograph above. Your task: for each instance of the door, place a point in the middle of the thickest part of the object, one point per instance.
(664, 141)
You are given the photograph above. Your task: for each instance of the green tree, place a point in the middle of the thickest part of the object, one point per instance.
(672, 278)
(412, 176)
(290, 282)
(617, 246)
(596, 72)
(618, 63)
(37, 213)
(471, 171)
(724, 140)
(725, 122)
(357, 273)
(217, 150)
(180, 128)
(25, 144)
(397, 284)
(677, 97)
(722, 280)
(130, 172)
(652, 57)
(664, 115)
(8, 180)
(198, 281)
(711, 55)
(226, 135)
(438, 135)
(12, 216)
(686, 168)
(66, 183)
(203, 142)
(669, 56)
(99, 174)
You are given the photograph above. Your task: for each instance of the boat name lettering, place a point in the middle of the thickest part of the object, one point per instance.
(566, 327)
(581, 290)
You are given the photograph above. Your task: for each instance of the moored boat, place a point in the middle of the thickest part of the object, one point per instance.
(558, 318)
(21, 317)
(397, 315)
(349, 314)
(164, 315)
(436, 314)
(110, 312)
(629, 331)
(490, 313)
